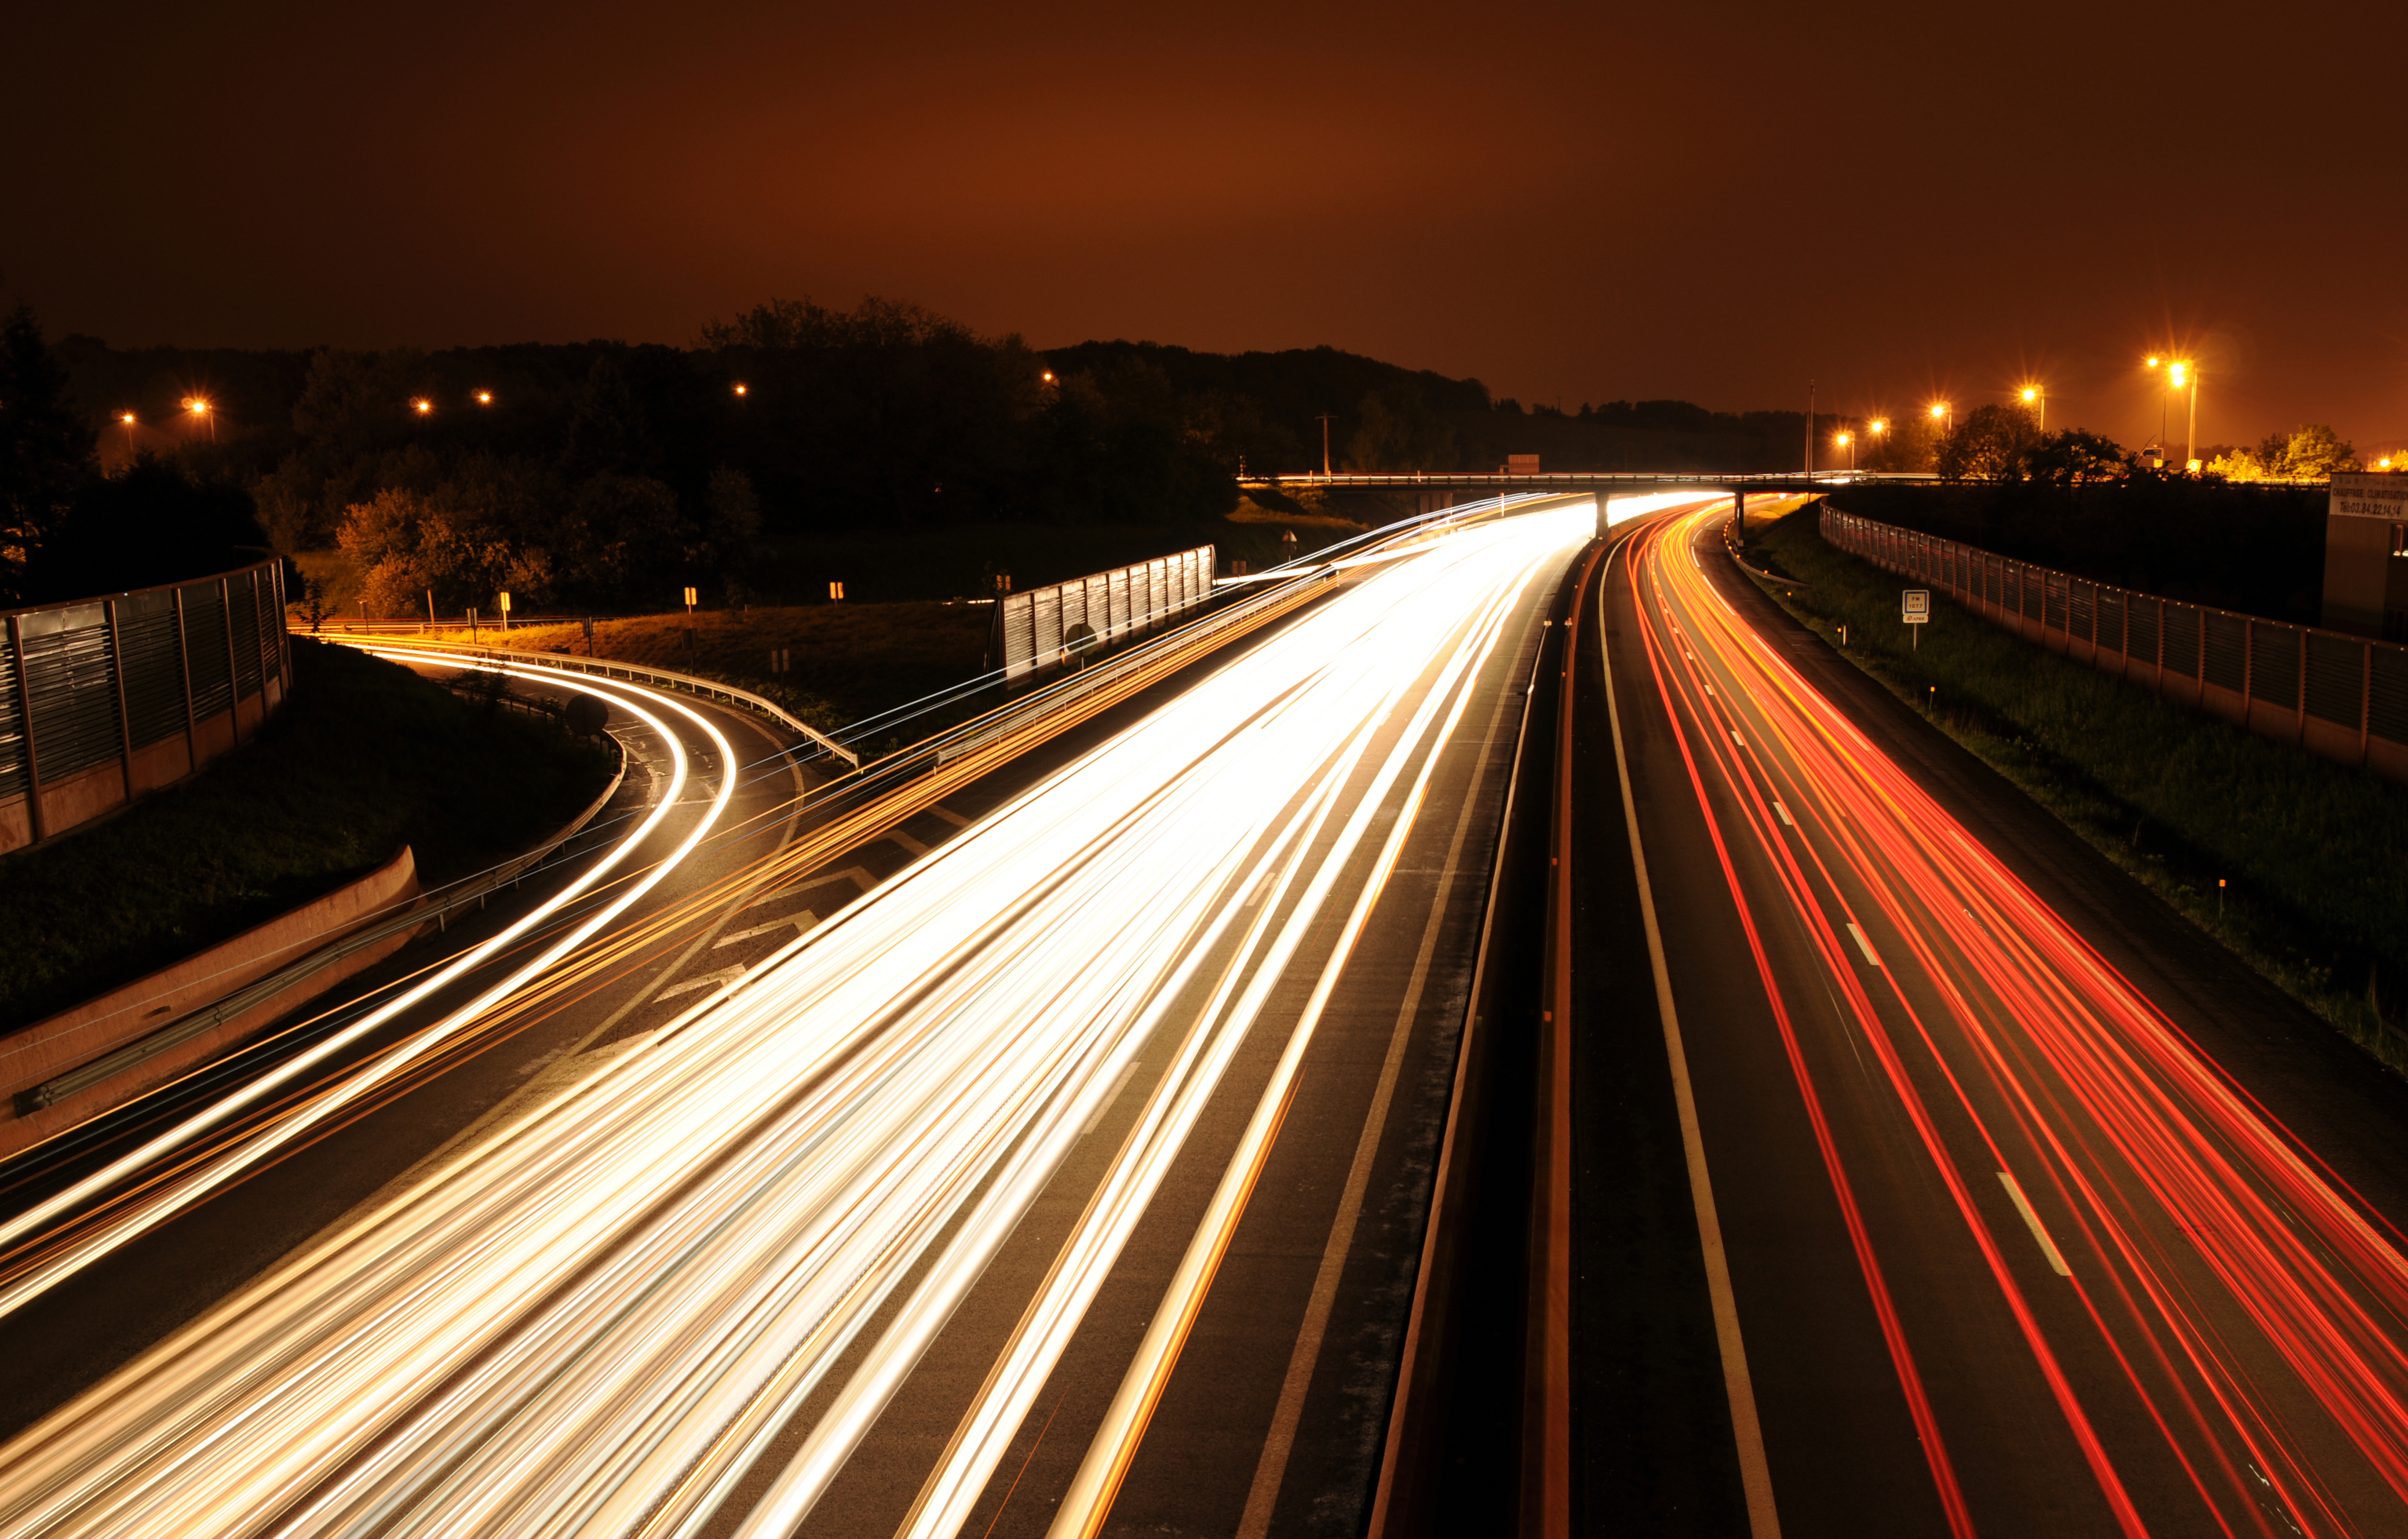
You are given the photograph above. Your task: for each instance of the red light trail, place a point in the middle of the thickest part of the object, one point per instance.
(2237, 1307)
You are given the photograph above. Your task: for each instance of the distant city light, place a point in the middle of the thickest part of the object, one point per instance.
(1047, 377)
(744, 389)
(422, 406)
(484, 397)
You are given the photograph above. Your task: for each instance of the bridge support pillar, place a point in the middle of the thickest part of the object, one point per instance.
(1739, 513)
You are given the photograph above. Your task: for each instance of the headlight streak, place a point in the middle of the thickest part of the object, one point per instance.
(2244, 1297)
(1088, 1501)
(595, 1317)
(194, 1184)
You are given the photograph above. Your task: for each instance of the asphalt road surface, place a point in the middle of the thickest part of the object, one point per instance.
(2013, 1205)
(1057, 1167)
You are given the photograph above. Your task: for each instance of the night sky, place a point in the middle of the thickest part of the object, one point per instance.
(1574, 203)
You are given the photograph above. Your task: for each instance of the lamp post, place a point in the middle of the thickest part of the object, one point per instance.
(200, 408)
(127, 418)
(2185, 376)
(2037, 400)
(1848, 442)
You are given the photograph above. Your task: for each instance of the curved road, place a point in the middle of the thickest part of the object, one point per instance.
(1067, 1172)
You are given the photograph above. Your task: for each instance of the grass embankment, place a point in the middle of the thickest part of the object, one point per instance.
(367, 757)
(850, 661)
(2315, 853)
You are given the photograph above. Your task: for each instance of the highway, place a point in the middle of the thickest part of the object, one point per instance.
(2006, 1206)
(1065, 1171)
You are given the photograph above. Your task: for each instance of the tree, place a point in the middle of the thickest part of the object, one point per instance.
(48, 455)
(2314, 453)
(2076, 456)
(1990, 443)
(152, 523)
(1401, 433)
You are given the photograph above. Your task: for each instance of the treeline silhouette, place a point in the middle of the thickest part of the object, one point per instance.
(587, 473)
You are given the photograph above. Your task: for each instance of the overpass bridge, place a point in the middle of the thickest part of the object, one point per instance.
(1430, 485)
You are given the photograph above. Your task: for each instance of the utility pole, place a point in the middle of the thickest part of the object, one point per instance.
(1810, 430)
(1325, 445)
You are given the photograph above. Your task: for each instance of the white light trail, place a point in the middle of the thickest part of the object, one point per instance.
(196, 1183)
(598, 1318)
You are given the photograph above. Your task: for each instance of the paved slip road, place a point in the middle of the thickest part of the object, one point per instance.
(2041, 1215)
(1068, 1179)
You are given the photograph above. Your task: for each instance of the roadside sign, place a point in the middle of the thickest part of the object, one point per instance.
(1916, 606)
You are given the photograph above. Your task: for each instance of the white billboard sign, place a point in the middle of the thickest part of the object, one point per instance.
(2360, 495)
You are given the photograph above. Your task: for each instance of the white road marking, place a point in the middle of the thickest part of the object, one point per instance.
(1862, 945)
(726, 975)
(1785, 814)
(804, 921)
(899, 837)
(858, 875)
(2032, 1220)
(1737, 739)
(951, 817)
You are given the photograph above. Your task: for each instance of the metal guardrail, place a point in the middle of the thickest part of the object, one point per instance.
(252, 996)
(642, 672)
(2341, 696)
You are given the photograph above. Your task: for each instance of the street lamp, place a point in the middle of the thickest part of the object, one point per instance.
(200, 408)
(1848, 442)
(1941, 409)
(2038, 400)
(422, 406)
(127, 418)
(2185, 376)
(742, 389)
(484, 397)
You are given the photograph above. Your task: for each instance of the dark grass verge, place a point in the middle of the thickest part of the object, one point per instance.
(367, 757)
(2315, 854)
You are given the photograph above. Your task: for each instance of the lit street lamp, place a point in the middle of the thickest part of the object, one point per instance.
(2038, 400)
(1941, 409)
(2186, 377)
(484, 397)
(422, 406)
(1848, 442)
(200, 408)
(742, 389)
(127, 418)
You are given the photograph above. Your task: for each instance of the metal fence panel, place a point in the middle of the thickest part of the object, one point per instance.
(2227, 659)
(2140, 629)
(152, 664)
(2083, 599)
(12, 727)
(242, 618)
(2386, 696)
(2182, 640)
(2336, 678)
(2274, 664)
(72, 687)
(204, 645)
(2111, 619)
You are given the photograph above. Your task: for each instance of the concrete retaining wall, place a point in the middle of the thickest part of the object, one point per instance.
(35, 1054)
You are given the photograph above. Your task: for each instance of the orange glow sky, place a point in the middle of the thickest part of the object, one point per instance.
(1583, 202)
